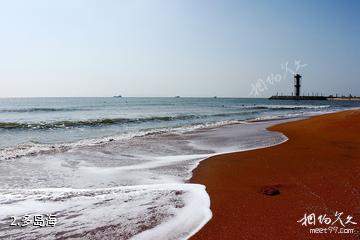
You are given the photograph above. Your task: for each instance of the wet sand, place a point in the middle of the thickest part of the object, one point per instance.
(316, 171)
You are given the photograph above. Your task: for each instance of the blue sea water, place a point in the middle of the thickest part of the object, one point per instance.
(59, 120)
(122, 164)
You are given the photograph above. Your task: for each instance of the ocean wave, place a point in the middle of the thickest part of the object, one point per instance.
(276, 117)
(46, 109)
(25, 110)
(240, 113)
(91, 122)
(286, 107)
(245, 110)
(33, 148)
(114, 121)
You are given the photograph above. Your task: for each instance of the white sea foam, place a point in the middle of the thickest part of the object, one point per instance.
(166, 211)
(195, 214)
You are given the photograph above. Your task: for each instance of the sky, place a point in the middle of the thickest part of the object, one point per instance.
(178, 47)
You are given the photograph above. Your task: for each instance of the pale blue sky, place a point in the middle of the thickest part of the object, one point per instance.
(175, 47)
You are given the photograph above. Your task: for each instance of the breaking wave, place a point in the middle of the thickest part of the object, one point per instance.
(246, 110)
(25, 110)
(90, 122)
(33, 148)
(286, 107)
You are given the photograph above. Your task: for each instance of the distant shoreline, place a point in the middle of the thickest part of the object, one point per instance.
(313, 98)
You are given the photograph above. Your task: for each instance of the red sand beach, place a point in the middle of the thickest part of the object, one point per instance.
(316, 171)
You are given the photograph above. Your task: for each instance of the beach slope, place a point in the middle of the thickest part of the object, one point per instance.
(316, 171)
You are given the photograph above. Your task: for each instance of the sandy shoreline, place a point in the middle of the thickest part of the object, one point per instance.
(316, 171)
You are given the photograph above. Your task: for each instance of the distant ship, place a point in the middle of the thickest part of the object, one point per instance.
(177, 96)
(118, 96)
(215, 96)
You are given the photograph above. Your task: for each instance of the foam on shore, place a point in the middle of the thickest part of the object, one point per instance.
(164, 211)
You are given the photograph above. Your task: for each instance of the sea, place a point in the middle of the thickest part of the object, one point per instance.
(119, 167)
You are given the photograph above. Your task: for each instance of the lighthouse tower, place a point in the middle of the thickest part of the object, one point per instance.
(297, 84)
